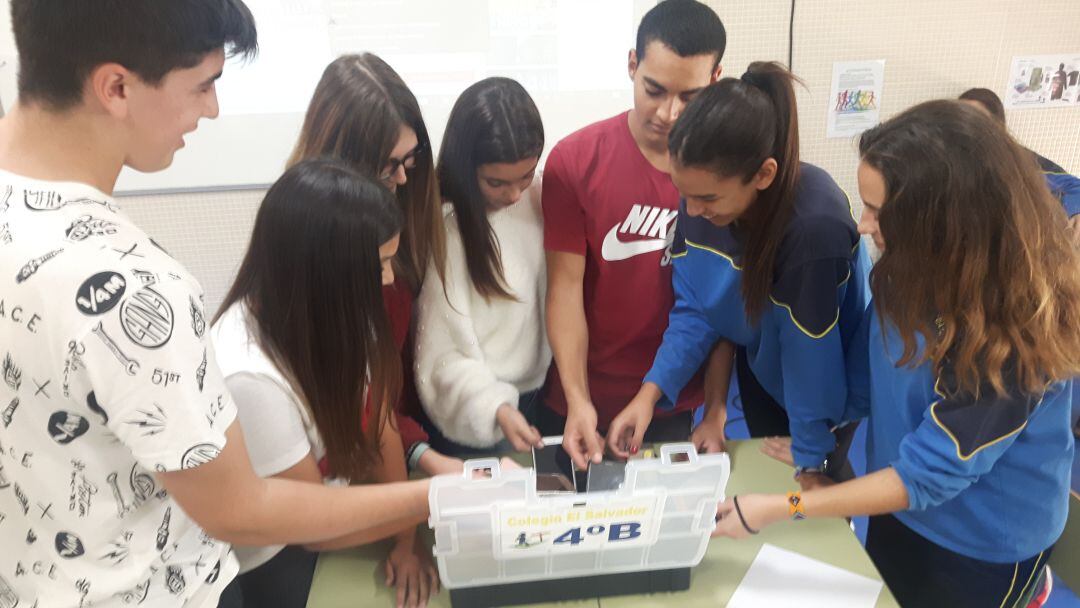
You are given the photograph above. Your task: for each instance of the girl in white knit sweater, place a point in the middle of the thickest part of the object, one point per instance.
(481, 348)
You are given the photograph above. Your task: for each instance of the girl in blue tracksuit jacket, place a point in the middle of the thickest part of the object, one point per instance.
(964, 367)
(766, 256)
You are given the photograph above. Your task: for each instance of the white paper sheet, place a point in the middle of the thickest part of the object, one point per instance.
(1044, 81)
(782, 578)
(855, 98)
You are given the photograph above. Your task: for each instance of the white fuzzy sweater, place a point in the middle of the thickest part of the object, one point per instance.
(474, 355)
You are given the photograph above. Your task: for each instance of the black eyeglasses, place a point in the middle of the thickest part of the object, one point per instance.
(408, 162)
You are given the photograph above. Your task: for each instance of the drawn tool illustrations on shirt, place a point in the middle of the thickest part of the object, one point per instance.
(6, 236)
(5, 198)
(86, 226)
(31, 537)
(174, 580)
(47, 200)
(654, 223)
(12, 373)
(65, 427)
(214, 573)
(143, 488)
(136, 595)
(151, 422)
(147, 318)
(100, 293)
(8, 597)
(41, 387)
(131, 365)
(145, 277)
(82, 490)
(30, 268)
(73, 363)
(163, 530)
(45, 510)
(130, 251)
(83, 586)
(119, 550)
(9, 412)
(69, 546)
(4, 483)
(24, 502)
(199, 455)
(198, 321)
(200, 372)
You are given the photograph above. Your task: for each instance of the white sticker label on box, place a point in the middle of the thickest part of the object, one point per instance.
(626, 523)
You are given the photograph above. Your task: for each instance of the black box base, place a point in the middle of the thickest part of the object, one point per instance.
(565, 589)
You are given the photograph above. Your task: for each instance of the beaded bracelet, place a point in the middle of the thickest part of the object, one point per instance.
(795, 506)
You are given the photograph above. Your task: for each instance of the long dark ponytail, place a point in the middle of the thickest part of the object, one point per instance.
(494, 121)
(311, 281)
(731, 128)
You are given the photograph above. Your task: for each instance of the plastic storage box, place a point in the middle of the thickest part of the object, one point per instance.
(495, 537)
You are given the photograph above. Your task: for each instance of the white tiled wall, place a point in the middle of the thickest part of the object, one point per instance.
(931, 48)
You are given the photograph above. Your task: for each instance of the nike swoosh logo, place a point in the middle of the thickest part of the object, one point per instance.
(614, 250)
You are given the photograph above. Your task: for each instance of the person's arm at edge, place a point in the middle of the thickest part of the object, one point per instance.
(568, 333)
(283, 511)
(874, 494)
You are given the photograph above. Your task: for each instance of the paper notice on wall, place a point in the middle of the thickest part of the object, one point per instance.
(855, 99)
(1044, 81)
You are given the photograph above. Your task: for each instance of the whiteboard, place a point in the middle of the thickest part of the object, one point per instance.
(569, 54)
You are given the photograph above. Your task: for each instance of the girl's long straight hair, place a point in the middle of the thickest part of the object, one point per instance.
(494, 121)
(731, 128)
(356, 114)
(311, 281)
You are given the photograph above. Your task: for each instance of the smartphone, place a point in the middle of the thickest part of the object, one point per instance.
(554, 470)
(608, 475)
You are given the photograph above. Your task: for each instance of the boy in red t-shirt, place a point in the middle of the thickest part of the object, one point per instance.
(609, 214)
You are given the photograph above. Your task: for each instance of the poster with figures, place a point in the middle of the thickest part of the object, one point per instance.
(1044, 81)
(855, 98)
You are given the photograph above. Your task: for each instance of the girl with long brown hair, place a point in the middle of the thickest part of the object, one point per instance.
(306, 348)
(766, 257)
(481, 351)
(963, 366)
(362, 112)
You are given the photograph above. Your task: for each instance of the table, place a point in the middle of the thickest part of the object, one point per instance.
(354, 577)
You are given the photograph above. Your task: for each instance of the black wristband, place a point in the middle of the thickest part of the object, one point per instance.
(738, 511)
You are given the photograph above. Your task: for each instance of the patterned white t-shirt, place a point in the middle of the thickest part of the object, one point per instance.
(108, 376)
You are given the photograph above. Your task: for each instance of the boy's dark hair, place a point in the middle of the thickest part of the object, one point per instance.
(687, 27)
(987, 99)
(60, 42)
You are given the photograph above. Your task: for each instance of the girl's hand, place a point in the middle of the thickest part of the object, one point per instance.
(779, 448)
(627, 430)
(758, 510)
(411, 570)
(522, 435)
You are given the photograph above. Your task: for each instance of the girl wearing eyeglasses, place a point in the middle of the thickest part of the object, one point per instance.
(482, 353)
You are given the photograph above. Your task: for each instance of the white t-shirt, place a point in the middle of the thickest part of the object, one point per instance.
(278, 429)
(108, 376)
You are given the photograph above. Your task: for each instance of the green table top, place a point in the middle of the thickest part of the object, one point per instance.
(354, 577)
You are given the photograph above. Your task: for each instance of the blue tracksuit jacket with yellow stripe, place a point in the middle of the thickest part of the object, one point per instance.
(797, 348)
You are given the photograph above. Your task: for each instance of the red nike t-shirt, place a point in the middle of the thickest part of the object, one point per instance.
(602, 199)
